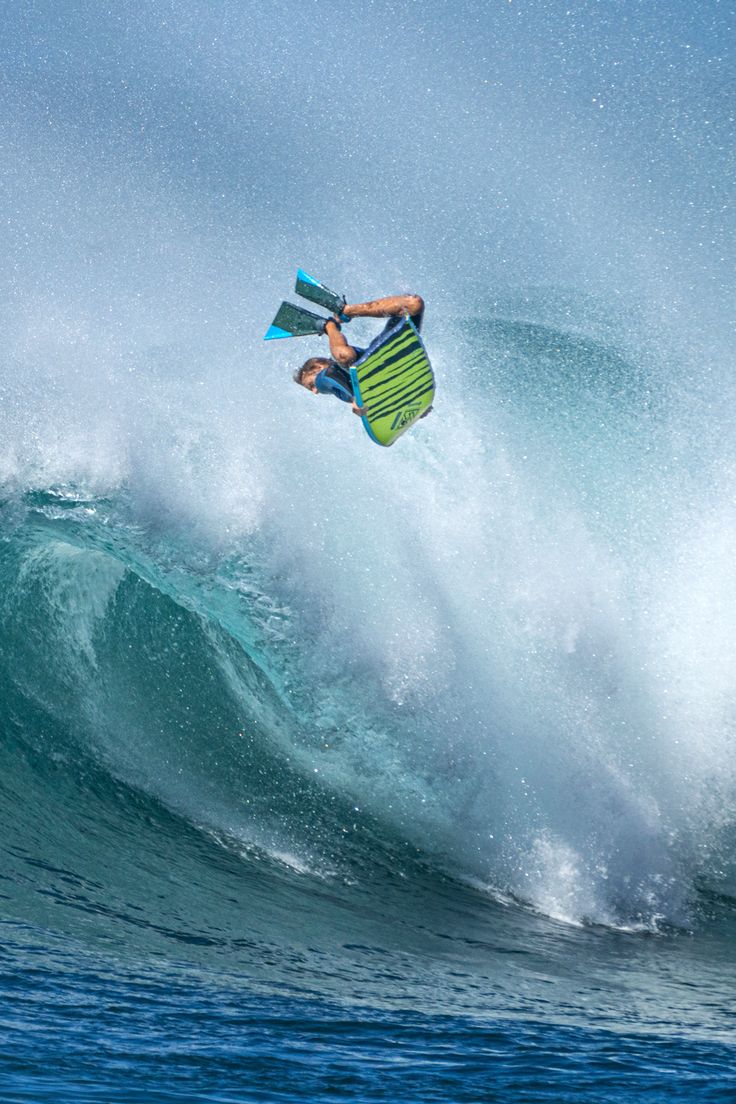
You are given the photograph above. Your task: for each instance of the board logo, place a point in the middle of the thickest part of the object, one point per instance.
(405, 416)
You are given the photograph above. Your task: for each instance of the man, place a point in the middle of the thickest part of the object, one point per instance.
(331, 376)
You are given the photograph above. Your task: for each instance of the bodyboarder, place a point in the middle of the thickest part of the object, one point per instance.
(331, 375)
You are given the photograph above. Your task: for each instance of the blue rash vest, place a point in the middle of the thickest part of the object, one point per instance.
(334, 380)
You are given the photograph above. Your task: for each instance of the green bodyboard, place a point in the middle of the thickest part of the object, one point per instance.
(394, 381)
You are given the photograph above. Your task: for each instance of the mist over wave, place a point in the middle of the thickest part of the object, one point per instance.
(525, 677)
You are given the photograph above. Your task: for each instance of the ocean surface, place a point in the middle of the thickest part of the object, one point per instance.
(338, 773)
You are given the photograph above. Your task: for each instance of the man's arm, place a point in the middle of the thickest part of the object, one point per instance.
(384, 308)
(344, 354)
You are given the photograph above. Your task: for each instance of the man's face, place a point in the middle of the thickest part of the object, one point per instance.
(309, 377)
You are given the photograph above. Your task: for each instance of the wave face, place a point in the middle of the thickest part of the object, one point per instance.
(299, 725)
(524, 672)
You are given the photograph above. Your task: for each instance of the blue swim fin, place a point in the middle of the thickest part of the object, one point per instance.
(293, 321)
(312, 289)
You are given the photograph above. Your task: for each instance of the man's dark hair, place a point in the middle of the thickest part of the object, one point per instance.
(309, 366)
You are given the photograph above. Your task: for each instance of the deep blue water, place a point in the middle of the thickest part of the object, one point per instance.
(125, 1041)
(330, 772)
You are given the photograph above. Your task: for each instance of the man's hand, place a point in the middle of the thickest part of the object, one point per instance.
(359, 410)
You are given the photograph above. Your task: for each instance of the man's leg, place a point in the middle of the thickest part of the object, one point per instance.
(393, 306)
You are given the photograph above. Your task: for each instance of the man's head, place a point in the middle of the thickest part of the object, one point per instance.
(309, 371)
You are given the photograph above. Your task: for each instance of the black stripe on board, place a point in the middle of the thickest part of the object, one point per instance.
(393, 352)
(401, 398)
(401, 335)
(407, 366)
(402, 388)
(405, 402)
(405, 350)
(406, 382)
